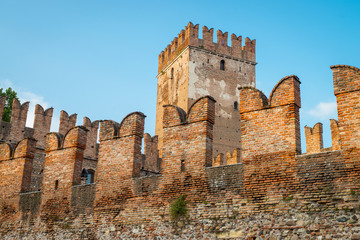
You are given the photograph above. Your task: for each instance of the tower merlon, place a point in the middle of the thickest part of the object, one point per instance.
(208, 36)
(222, 38)
(190, 37)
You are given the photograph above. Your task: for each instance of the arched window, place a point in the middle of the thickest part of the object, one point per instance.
(236, 105)
(222, 65)
(172, 73)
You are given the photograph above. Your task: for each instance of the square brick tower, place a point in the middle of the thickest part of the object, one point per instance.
(191, 68)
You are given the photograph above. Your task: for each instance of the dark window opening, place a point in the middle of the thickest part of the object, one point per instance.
(236, 105)
(172, 73)
(222, 65)
(84, 173)
(182, 165)
(90, 176)
(56, 184)
(87, 176)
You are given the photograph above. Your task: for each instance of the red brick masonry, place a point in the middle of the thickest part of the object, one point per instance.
(265, 189)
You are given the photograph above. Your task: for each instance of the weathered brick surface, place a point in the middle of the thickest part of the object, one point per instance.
(30, 206)
(314, 138)
(42, 123)
(18, 120)
(37, 169)
(66, 122)
(82, 198)
(270, 126)
(92, 147)
(265, 190)
(119, 156)
(62, 170)
(319, 179)
(347, 92)
(335, 136)
(151, 159)
(15, 172)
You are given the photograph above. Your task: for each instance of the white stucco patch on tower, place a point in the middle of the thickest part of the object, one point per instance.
(224, 114)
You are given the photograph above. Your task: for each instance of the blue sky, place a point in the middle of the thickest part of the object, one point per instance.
(99, 58)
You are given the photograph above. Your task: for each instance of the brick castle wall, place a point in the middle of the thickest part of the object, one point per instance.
(268, 189)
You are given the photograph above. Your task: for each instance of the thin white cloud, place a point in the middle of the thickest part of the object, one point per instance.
(324, 110)
(33, 99)
(5, 83)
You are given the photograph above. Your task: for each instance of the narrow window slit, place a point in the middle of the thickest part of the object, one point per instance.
(222, 65)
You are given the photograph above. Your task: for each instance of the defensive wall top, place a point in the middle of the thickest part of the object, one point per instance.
(190, 37)
(16, 129)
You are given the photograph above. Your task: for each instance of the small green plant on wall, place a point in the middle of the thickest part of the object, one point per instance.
(178, 207)
(288, 198)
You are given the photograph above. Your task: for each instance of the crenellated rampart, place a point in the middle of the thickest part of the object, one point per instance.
(265, 188)
(14, 131)
(190, 37)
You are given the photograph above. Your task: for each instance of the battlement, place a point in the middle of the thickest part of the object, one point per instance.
(314, 138)
(342, 74)
(346, 81)
(74, 137)
(228, 159)
(16, 130)
(67, 185)
(274, 121)
(267, 174)
(132, 124)
(15, 170)
(190, 37)
(151, 161)
(63, 165)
